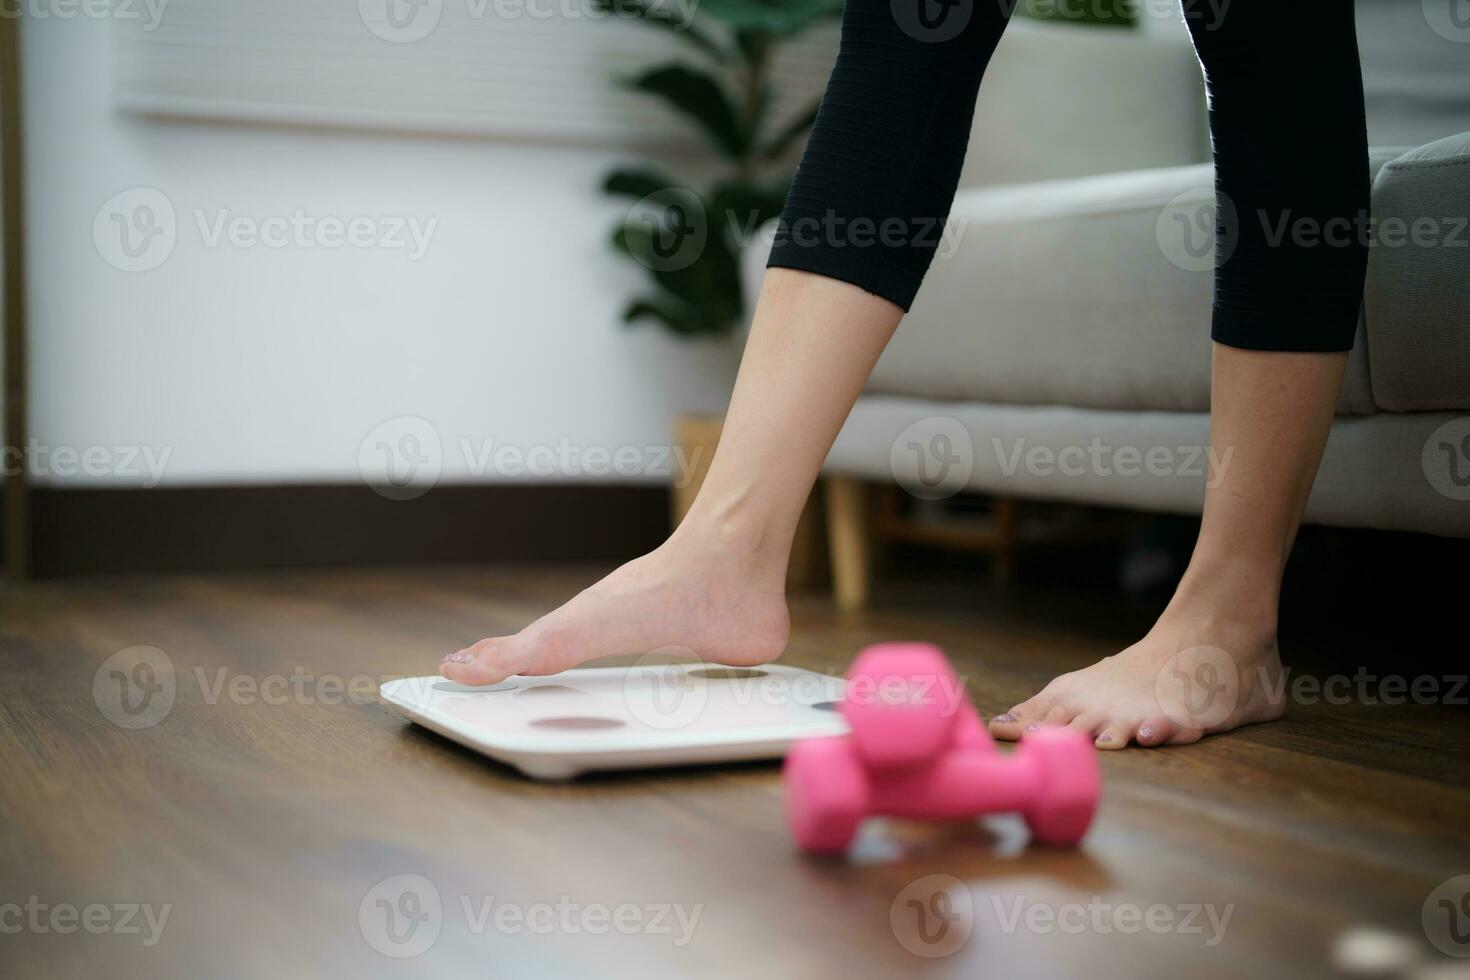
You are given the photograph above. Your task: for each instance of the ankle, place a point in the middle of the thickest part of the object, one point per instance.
(1244, 594)
(733, 536)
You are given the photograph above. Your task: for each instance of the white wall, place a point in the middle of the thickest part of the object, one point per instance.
(260, 365)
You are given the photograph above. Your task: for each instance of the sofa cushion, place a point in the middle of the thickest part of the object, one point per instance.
(1092, 292)
(1418, 299)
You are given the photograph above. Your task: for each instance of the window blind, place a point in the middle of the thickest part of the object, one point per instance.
(522, 69)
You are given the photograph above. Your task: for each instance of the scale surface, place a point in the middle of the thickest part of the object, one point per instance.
(603, 718)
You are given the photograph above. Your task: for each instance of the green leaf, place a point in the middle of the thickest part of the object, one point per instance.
(794, 130)
(663, 16)
(676, 319)
(637, 182)
(754, 118)
(739, 208)
(620, 240)
(703, 296)
(699, 97)
(674, 211)
(710, 284)
(677, 316)
(755, 46)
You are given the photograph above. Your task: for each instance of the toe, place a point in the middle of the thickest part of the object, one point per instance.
(1014, 723)
(1154, 731)
(1058, 717)
(1115, 735)
(1088, 724)
(1185, 736)
(1007, 726)
(483, 663)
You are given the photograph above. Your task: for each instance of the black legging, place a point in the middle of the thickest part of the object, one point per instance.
(1290, 144)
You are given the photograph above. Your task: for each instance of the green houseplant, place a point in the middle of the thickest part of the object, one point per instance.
(690, 240)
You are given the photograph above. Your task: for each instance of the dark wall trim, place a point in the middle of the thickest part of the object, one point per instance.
(229, 528)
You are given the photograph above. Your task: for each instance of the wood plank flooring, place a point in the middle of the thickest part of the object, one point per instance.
(269, 805)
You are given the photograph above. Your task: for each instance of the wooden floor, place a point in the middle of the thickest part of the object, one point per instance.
(264, 827)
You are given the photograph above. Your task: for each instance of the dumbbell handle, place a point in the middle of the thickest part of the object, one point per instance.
(962, 784)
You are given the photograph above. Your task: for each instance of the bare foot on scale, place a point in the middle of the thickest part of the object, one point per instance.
(695, 592)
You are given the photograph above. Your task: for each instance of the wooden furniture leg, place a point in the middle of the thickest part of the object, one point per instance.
(1005, 539)
(848, 542)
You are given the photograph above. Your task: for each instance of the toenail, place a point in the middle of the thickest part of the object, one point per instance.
(1033, 727)
(1006, 718)
(1145, 732)
(459, 657)
(1105, 738)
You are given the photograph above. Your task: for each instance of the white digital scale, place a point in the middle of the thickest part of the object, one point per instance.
(602, 718)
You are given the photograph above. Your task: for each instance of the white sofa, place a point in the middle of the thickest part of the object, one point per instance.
(1075, 311)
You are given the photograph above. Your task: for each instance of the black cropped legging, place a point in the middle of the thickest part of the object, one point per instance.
(1286, 117)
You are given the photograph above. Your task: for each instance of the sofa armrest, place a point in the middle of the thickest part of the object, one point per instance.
(1093, 292)
(1417, 304)
(1058, 293)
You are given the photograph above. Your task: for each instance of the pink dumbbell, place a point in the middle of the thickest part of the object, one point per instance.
(918, 749)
